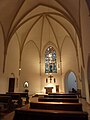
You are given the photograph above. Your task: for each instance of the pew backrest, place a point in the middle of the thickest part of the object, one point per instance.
(20, 95)
(16, 98)
(56, 106)
(37, 114)
(6, 103)
(47, 99)
(61, 96)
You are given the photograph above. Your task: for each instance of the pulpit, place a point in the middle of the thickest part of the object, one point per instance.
(48, 89)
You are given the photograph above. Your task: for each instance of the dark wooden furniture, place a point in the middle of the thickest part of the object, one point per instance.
(11, 84)
(47, 99)
(56, 106)
(39, 94)
(61, 96)
(24, 95)
(39, 114)
(16, 98)
(48, 89)
(52, 110)
(21, 94)
(6, 104)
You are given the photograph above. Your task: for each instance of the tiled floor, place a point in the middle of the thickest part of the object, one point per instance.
(86, 107)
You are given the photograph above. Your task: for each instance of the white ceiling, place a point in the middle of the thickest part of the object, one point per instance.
(40, 21)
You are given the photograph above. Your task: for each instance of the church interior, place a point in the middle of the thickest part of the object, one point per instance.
(44, 52)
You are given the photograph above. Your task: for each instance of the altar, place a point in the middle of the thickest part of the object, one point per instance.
(48, 89)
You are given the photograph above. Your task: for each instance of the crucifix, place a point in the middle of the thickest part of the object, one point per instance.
(50, 76)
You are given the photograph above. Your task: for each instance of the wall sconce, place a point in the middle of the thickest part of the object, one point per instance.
(19, 69)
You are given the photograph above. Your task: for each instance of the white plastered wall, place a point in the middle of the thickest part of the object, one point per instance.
(85, 29)
(12, 63)
(3, 80)
(69, 60)
(30, 68)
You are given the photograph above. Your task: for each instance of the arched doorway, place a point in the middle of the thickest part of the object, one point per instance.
(70, 81)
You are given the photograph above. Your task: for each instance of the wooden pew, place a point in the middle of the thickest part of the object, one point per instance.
(61, 96)
(16, 98)
(39, 114)
(6, 103)
(56, 106)
(47, 99)
(22, 95)
(52, 111)
(39, 94)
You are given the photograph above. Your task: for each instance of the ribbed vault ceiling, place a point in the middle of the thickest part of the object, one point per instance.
(39, 21)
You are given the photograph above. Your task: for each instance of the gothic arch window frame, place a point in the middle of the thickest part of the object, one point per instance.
(50, 60)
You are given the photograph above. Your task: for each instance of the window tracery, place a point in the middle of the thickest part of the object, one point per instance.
(50, 60)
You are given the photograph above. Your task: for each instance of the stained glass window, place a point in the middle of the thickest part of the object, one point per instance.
(50, 60)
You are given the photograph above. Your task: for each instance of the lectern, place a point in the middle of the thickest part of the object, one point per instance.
(48, 89)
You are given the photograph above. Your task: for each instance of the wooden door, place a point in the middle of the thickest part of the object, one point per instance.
(11, 84)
